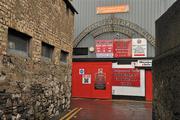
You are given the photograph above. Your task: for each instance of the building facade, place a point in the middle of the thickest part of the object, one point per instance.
(36, 41)
(116, 38)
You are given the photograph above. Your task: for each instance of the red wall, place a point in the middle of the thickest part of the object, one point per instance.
(88, 90)
(148, 77)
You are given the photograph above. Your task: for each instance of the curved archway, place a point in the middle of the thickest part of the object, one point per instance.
(110, 24)
(112, 28)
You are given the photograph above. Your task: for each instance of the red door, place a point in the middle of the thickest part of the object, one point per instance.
(92, 79)
(148, 85)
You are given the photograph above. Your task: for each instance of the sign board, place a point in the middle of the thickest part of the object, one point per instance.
(104, 48)
(122, 48)
(112, 9)
(139, 47)
(144, 63)
(126, 77)
(86, 79)
(81, 71)
(100, 80)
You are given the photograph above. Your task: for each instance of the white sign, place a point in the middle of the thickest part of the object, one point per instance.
(86, 79)
(104, 55)
(131, 91)
(81, 71)
(144, 63)
(139, 47)
(104, 48)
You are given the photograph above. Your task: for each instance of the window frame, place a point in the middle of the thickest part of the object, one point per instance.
(66, 55)
(51, 48)
(12, 33)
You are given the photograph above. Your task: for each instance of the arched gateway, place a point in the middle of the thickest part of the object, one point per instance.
(125, 27)
(107, 74)
(114, 49)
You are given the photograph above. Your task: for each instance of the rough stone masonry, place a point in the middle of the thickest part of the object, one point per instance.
(32, 88)
(166, 66)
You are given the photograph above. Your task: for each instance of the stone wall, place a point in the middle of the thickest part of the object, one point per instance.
(31, 88)
(166, 66)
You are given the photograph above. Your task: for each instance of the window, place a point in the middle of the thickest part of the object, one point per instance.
(80, 51)
(47, 50)
(18, 42)
(64, 56)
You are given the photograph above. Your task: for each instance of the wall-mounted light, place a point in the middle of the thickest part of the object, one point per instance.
(91, 49)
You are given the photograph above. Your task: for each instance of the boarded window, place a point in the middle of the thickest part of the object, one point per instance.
(80, 51)
(64, 56)
(47, 50)
(18, 42)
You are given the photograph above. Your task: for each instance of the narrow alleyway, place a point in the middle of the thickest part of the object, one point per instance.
(95, 109)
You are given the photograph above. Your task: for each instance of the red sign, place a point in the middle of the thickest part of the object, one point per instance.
(104, 48)
(126, 77)
(123, 48)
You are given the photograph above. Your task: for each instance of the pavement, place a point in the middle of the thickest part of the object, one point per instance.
(96, 109)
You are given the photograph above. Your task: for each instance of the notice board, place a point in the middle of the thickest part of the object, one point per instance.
(104, 48)
(122, 48)
(126, 77)
(139, 47)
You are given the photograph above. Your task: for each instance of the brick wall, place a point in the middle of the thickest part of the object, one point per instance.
(166, 66)
(30, 87)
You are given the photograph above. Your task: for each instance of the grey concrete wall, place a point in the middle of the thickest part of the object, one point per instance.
(166, 66)
(142, 12)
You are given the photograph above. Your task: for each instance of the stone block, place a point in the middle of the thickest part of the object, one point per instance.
(166, 66)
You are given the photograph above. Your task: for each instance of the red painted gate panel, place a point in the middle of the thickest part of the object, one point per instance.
(149, 93)
(92, 80)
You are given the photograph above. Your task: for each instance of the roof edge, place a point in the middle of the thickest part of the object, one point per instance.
(70, 6)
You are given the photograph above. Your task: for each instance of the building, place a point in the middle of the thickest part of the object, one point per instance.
(114, 47)
(36, 41)
(166, 103)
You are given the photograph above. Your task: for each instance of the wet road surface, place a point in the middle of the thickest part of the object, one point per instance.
(95, 109)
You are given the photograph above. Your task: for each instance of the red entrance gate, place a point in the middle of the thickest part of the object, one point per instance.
(92, 80)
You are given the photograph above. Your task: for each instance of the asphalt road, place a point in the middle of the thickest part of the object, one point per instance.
(95, 109)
